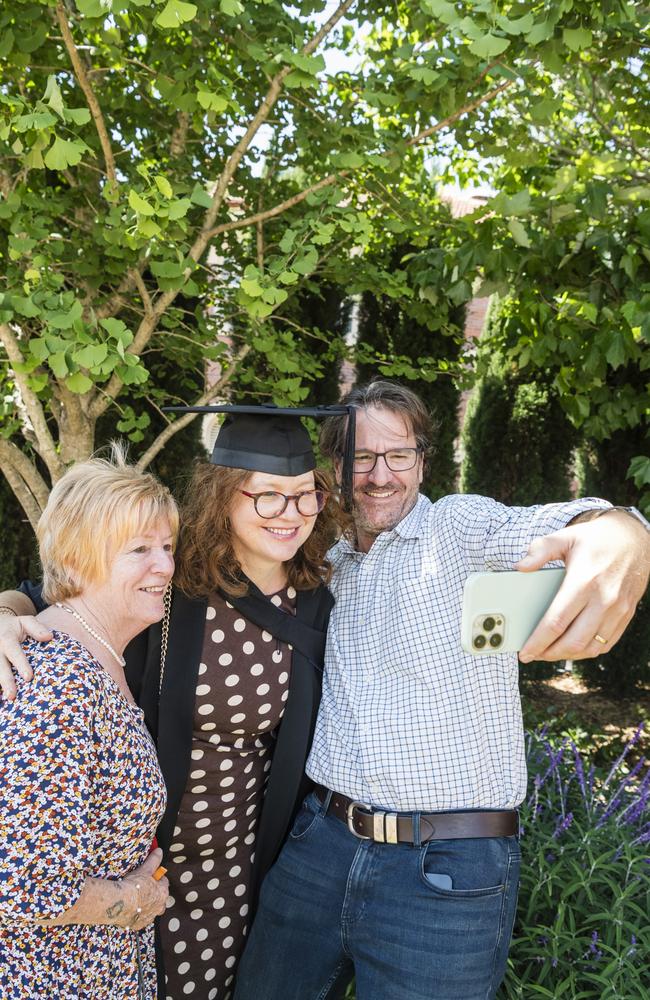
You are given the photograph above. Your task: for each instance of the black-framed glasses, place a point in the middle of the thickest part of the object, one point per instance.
(272, 504)
(397, 459)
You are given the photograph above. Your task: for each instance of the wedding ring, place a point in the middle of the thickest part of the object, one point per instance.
(599, 638)
(159, 872)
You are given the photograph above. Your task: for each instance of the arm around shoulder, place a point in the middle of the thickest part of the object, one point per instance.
(17, 622)
(13, 602)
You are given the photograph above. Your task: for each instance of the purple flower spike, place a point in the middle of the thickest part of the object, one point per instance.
(626, 749)
(563, 825)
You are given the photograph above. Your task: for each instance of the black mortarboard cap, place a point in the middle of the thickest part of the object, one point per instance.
(273, 439)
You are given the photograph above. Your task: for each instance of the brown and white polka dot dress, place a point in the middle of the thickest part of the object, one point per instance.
(242, 688)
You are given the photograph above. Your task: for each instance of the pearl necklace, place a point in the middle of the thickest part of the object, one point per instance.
(91, 631)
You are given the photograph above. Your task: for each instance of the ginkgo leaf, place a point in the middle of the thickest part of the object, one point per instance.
(175, 13)
(488, 46)
(63, 153)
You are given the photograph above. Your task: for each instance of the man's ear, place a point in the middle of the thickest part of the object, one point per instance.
(421, 473)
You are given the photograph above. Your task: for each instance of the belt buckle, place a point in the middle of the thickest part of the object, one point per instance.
(384, 825)
(350, 818)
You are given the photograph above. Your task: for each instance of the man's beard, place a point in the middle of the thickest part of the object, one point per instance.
(385, 520)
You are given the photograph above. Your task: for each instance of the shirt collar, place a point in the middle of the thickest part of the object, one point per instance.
(409, 527)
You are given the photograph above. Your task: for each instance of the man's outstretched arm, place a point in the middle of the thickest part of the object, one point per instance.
(607, 559)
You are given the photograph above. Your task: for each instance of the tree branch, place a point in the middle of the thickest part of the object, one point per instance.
(203, 400)
(150, 321)
(44, 442)
(84, 83)
(425, 133)
(144, 294)
(30, 489)
(253, 220)
(266, 105)
(126, 285)
(270, 213)
(208, 231)
(179, 135)
(76, 431)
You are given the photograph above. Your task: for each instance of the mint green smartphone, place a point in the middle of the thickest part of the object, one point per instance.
(501, 609)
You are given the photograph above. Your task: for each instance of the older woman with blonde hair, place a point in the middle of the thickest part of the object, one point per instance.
(82, 789)
(230, 682)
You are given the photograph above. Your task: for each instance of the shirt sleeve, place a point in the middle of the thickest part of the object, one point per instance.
(512, 534)
(35, 593)
(45, 774)
(495, 537)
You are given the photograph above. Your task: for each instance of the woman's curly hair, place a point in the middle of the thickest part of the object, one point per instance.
(205, 558)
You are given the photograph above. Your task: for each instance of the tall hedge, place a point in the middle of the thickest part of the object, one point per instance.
(517, 442)
(626, 668)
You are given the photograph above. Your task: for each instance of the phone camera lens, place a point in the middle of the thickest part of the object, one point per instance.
(496, 640)
(479, 642)
(488, 624)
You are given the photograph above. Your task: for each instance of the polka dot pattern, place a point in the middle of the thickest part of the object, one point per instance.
(240, 696)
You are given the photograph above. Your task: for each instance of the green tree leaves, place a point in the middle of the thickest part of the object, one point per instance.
(248, 176)
(489, 45)
(175, 13)
(64, 153)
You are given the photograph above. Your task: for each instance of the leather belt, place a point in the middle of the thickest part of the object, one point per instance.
(398, 828)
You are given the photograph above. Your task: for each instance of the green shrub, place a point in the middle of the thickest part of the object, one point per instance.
(518, 443)
(582, 920)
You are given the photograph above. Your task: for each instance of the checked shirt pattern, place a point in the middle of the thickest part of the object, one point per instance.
(408, 721)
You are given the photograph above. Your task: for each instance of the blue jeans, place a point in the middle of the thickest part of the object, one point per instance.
(334, 906)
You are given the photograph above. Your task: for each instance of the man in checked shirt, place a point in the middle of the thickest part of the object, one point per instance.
(402, 867)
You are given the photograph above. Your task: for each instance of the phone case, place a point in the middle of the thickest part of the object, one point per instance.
(501, 609)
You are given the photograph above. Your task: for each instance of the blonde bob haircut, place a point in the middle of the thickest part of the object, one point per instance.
(90, 515)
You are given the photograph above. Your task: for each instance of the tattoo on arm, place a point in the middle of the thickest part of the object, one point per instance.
(115, 909)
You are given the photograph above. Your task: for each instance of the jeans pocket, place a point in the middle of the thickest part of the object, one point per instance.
(306, 818)
(458, 869)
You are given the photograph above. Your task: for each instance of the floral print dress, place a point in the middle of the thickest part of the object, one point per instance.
(81, 795)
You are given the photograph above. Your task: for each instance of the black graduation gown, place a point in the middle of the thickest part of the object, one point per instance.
(169, 713)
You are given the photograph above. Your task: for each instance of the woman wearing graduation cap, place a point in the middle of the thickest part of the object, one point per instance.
(230, 683)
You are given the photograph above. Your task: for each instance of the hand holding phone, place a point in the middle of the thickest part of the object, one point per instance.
(502, 609)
